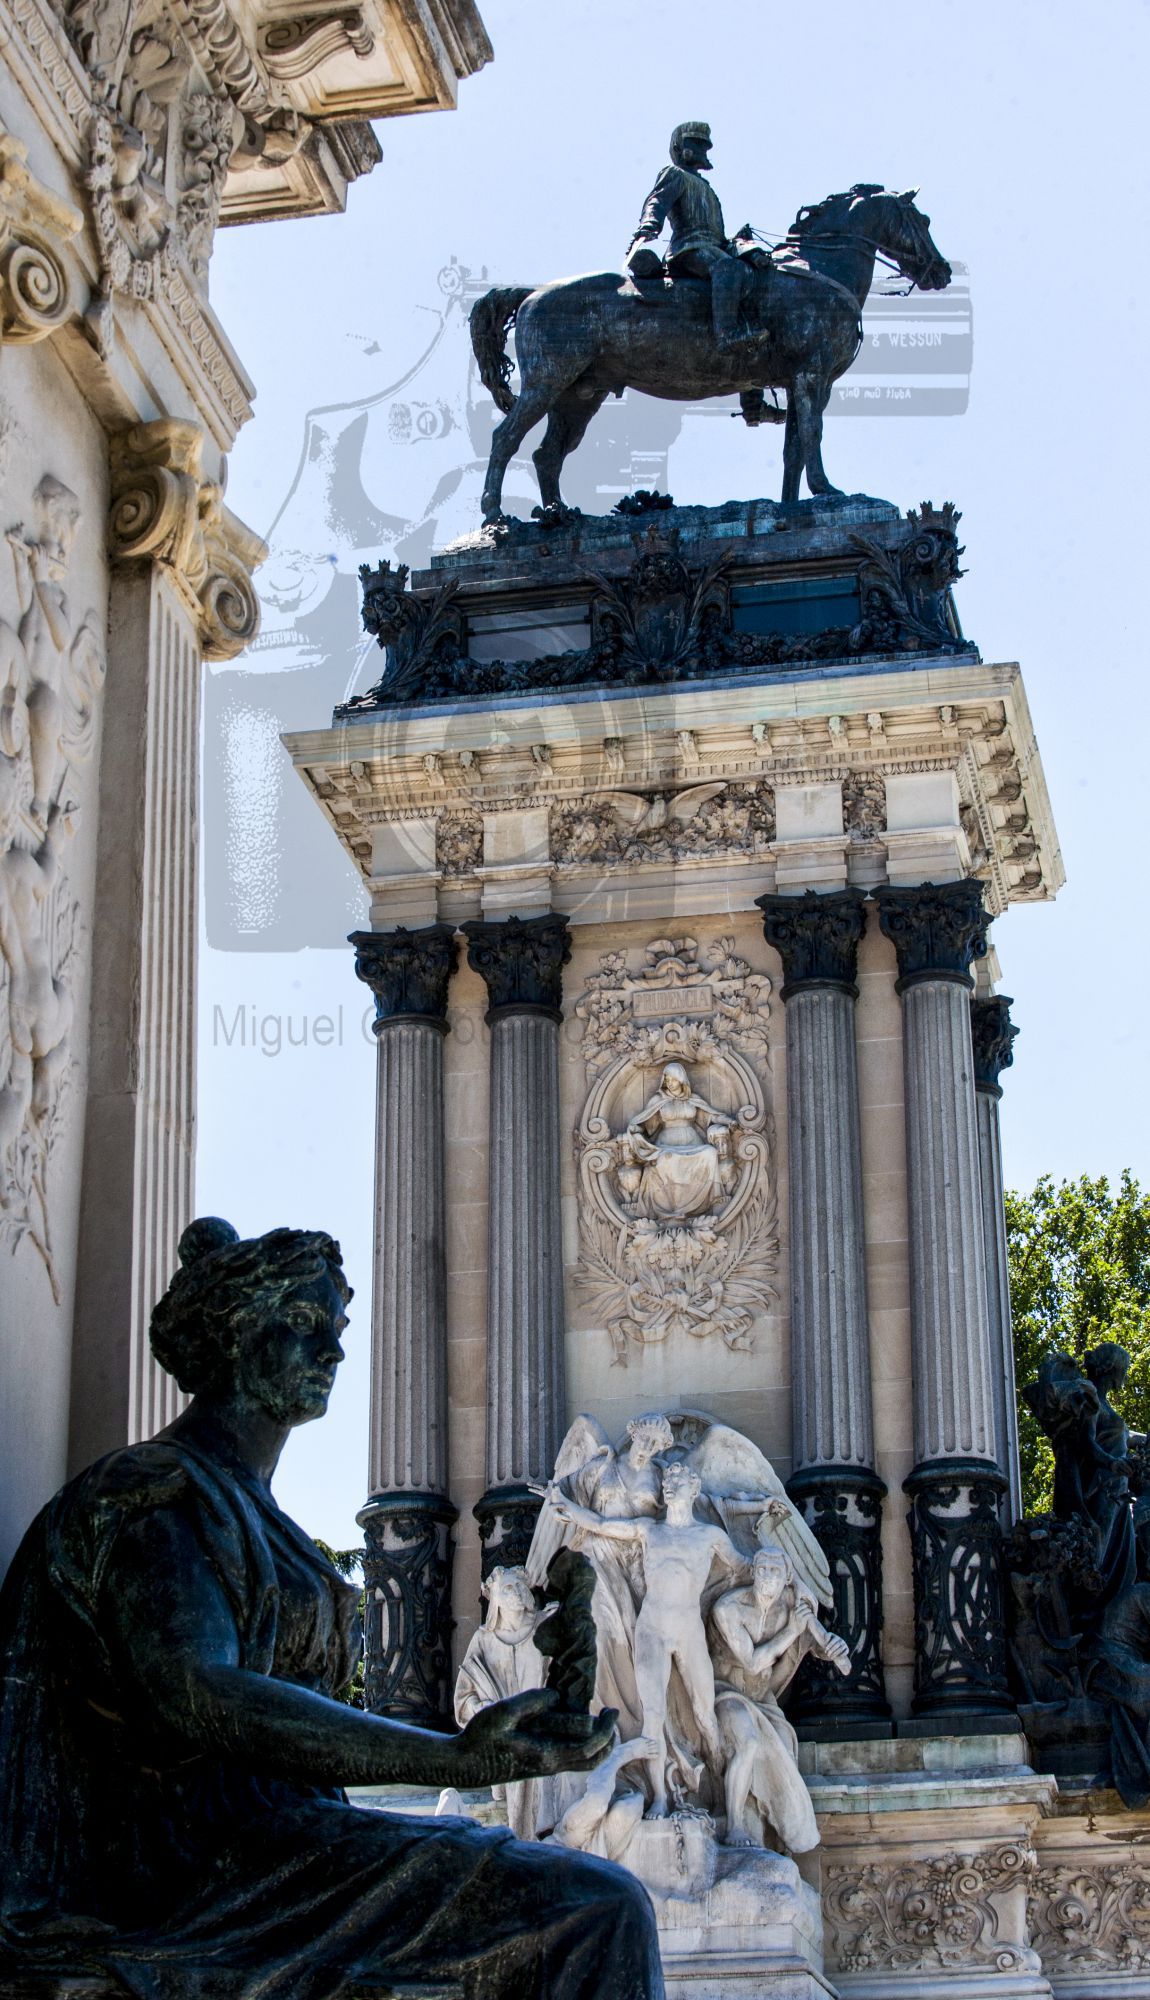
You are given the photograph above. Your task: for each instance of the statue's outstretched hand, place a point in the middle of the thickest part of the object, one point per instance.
(531, 1736)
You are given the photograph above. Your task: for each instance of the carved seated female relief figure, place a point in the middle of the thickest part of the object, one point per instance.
(171, 1823)
(676, 1152)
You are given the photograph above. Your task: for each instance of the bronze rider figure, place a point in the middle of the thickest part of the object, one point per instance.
(700, 247)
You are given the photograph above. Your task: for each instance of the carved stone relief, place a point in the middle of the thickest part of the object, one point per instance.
(677, 1207)
(1092, 1919)
(458, 841)
(630, 827)
(864, 805)
(927, 1915)
(176, 98)
(52, 669)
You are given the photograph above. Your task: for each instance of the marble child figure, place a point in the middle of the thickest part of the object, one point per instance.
(679, 1554)
(171, 1752)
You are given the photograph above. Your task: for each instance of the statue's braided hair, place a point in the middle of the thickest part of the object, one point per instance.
(225, 1281)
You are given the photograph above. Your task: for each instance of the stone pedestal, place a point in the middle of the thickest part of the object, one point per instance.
(834, 1479)
(960, 1624)
(626, 732)
(408, 1517)
(521, 962)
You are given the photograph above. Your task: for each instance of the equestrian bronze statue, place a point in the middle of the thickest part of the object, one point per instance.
(719, 317)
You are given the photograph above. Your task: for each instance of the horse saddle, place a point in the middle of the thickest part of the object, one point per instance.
(652, 291)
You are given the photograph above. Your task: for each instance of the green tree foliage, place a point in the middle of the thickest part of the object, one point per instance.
(347, 1562)
(1079, 1258)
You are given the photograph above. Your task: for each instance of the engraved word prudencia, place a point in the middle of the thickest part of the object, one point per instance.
(51, 671)
(708, 1584)
(678, 1214)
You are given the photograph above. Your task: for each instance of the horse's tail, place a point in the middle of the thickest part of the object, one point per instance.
(492, 317)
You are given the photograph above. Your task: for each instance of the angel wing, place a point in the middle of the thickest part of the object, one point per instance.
(732, 1469)
(585, 1445)
(684, 805)
(635, 809)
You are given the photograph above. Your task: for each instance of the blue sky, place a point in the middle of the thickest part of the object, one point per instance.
(1023, 128)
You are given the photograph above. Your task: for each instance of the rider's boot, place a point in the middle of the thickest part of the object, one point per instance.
(726, 298)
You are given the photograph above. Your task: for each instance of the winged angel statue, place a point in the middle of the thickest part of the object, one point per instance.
(700, 1562)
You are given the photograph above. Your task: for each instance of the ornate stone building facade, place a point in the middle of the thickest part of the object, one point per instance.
(128, 133)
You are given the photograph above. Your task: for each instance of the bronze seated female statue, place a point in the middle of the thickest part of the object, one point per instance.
(171, 1749)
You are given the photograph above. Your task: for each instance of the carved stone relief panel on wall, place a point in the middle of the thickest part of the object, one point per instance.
(677, 1205)
(52, 667)
(629, 827)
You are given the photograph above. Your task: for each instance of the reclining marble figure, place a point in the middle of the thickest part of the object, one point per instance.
(171, 1751)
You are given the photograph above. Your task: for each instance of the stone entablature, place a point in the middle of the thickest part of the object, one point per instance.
(164, 128)
(904, 773)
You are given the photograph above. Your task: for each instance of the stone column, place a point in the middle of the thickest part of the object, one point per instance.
(960, 1646)
(992, 1035)
(181, 593)
(521, 961)
(408, 1517)
(834, 1479)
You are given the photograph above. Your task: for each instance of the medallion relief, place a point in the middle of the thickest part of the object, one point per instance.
(677, 1205)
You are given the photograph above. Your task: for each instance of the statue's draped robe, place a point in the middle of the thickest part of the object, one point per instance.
(179, 1874)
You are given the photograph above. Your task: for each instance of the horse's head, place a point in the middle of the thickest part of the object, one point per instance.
(902, 231)
(873, 216)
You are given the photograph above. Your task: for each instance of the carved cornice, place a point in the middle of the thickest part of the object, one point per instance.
(408, 971)
(937, 930)
(163, 510)
(521, 961)
(36, 292)
(816, 936)
(992, 1033)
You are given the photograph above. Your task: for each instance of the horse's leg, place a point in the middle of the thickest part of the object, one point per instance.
(529, 407)
(566, 428)
(811, 396)
(792, 451)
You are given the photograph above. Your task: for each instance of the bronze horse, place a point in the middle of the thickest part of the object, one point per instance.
(581, 339)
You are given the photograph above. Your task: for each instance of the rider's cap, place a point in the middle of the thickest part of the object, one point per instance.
(692, 130)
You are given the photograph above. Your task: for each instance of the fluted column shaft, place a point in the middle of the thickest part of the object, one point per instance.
(992, 1035)
(521, 960)
(408, 1517)
(833, 1431)
(960, 1656)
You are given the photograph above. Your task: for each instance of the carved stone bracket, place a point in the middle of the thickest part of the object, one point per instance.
(843, 1505)
(937, 929)
(293, 47)
(959, 1600)
(408, 971)
(408, 1622)
(816, 936)
(36, 293)
(938, 1914)
(521, 960)
(163, 510)
(992, 1032)
(506, 1517)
